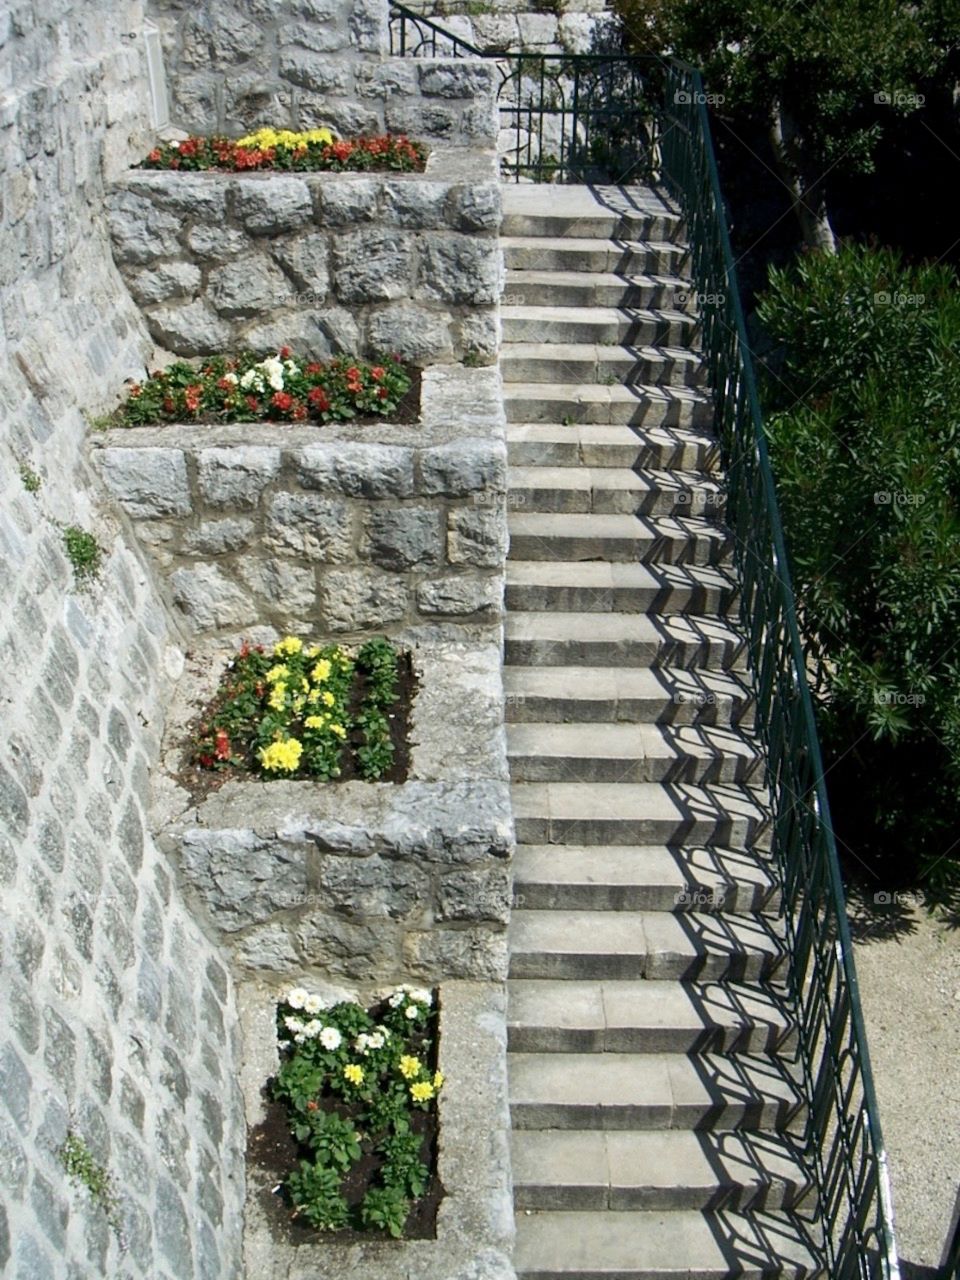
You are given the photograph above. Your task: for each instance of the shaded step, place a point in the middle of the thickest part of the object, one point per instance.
(623, 1016)
(643, 878)
(591, 253)
(598, 813)
(611, 490)
(587, 362)
(597, 289)
(575, 212)
(643, 327)
(648, 539)
(650, 1091)
(636, 405)
(661, 695)
(596, 586)
(669, 1169)
(656, 945)
(663, 1246)
(620, 752)
(663, 449)
(603, 638)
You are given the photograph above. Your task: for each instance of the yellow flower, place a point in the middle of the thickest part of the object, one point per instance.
(281, 757)
(423, 1091)
(409, 1066)
(314, 722)
(327, 698)
(438, 1080)
(321, 671)
(312, 652)
(353, 1073)
(304, 683)
(298, 703)
(279, 672)
(339, 730)
(277, 698)
(268, 137)
(288, 645)
(313, 695)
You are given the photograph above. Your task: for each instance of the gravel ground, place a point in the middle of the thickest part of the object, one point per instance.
(908, 964)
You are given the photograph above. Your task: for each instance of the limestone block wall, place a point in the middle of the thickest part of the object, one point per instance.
(406, 263)
(509, 26)
(335, 530)
(117, 1014)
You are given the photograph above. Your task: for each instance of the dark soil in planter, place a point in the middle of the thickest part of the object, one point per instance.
(200, 782)
(272, 1148)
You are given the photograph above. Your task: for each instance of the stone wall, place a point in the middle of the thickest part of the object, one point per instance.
(404, 263)
(510, 26)
(116, 1015)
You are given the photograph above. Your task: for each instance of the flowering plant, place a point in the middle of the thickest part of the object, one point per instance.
(353, 1082)
(313, 150)
(280, 388)
(296, 709)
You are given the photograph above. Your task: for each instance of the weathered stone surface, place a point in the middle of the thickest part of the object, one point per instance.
(313, 71)
(372, 267)
(342, 947)
(209, 599)
(456, 79)
(192, 330)
(305, 261)
(458, 268)
(147, 482)
(220, 243)
(348, 202)
(418, 204)
(267, 947)
(459, 595)
(413, 332)
(370, 886)
(215, 537)
(360, 599)
(141, 230)
(313, 526)
(477, 207)
(299, 328)
(248, 286)
(466, 953)
(243, 879)
(464, 466)
(270, 207)
(357, 470)
(283, 586)
(167, 280)
(405, 536)
(475, 895)
(236, 477)
(477, 536)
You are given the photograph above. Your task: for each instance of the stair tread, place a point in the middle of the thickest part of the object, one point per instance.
(601, 393)
(550, 625)
(604, 739)
(613, 525)
(589, 244)
(617, 573)
(517, 276)
(574, 351)
(679, 867)
(634, 800)
(665, 1243)
(593, 314)
(592, 683)
(622, 478)
(643, 933)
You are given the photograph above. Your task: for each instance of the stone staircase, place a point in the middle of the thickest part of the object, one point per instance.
(655, 1113)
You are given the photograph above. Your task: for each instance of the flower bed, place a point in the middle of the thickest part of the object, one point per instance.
(315, 150)
(358, 1090)
(309, 712)
(279, 388)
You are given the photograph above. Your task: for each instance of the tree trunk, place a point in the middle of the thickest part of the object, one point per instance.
(809, 196)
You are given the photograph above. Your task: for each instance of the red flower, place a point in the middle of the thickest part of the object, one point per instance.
(313, 1106)
(354, 388)
(135, 391)
(205, 761)
(342, 150)
(154, 155)
(314, 367)
(253, 404)
(378, 373)
(353, 373)
(223, 745)
(168, 405)
(284, 353)
(299, 412)
(281, 400)
(225, 384)
(318, 398)
(382, 393)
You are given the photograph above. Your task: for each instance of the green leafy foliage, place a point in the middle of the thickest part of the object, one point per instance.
(315, 1191)
(863, 415)
(385, 1207)
(379, 660)
(84, 553)
(30, 480)
(308, 152)
(81, 1165)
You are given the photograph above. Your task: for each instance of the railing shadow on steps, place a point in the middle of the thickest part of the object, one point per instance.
(672, 149)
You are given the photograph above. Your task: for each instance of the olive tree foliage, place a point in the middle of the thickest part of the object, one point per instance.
(821, 76)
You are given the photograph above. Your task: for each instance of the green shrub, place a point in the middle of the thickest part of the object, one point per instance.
(84, 553)
(862, 406)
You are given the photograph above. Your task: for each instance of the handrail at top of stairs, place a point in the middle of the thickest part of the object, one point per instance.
(843, 1136)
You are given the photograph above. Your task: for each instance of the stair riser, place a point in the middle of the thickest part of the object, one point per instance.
(737, 900)
(592, 293)
(642, 412)
(629, 769)
(626, 331)
(654, 226)
(721, 655)
(609, 370)
(758, 1041)
(740, 967)
(729, 1196)
(539, 829)
(532, 708)
(611, 502)
(642, 260)
(714, 1118)
(659, 600)
(581, 451)
(662, 550)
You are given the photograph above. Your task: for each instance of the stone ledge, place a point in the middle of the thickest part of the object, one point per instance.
(475, 1223)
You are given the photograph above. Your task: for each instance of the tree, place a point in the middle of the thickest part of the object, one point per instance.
(821, 77)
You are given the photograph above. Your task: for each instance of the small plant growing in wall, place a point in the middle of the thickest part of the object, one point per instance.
(30, 480)
(85, 1170)
(84, 553)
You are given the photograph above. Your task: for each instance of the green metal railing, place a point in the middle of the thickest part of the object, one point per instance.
(951, 1268)
(843, 1139)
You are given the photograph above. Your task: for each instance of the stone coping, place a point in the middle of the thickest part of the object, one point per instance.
(475, 1222)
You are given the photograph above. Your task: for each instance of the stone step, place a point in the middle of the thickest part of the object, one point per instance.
(597, 289)
(618, 752)
(649, 407)
(664, 1245)
(648, 539)
(667, 1169)
(552, 877)
(623, 1016)
(665, 449)
(659, 946)
(595, 586)
(642, 813)
(595, 224)
(607, 639)
(594, 253)
(615, 491)
(579, 324)
(651, 1091)
(631, 695)
(587, 362)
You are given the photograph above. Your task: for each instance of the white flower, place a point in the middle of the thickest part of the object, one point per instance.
(330, 1038)
(293, 1024)
(375, 1041)
(175, 145)
(313, 1028)
(412, 1011)
(397, 998)
(313, 1004)
(300, 1038)
(290, 366)
(297, 998)
(252, 380)
(362, 1043)
(273, 369)
(231, 378)
(421, 996)
(383, 1031)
